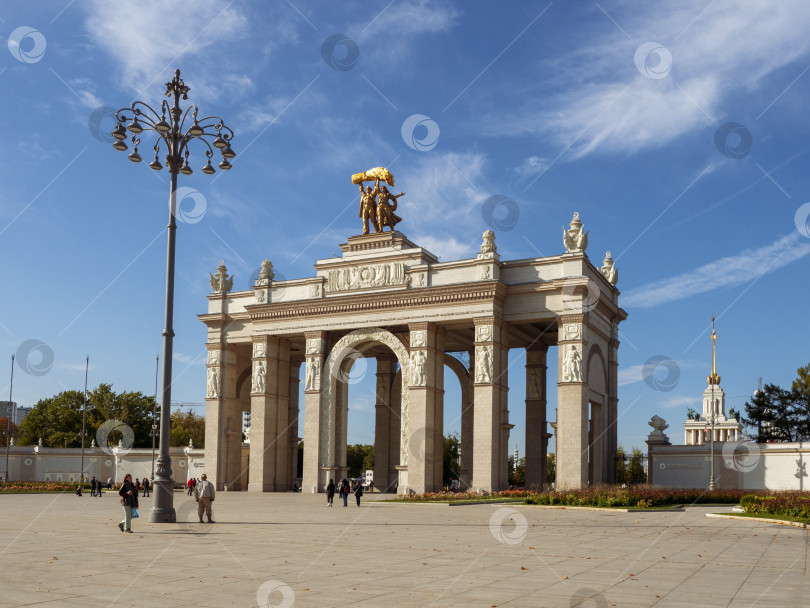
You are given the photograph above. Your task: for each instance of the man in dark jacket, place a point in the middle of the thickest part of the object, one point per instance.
(129, 500)
(330, 493)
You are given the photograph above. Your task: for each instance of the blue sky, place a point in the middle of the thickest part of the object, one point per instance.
(618, 110)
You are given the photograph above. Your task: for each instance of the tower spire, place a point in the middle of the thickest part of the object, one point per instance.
(714, 378)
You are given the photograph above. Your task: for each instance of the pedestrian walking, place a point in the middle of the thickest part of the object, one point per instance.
(204, 495)
(330, 492)
(109, 483)
(145, 487)
(93, 487)
(129, 500)
(344, 491)
(79, 490)
(190, 485)
(358, 491)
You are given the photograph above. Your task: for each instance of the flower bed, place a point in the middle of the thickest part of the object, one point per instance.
(641, 496)
(786, 504)
(464, 496)
(17, 487)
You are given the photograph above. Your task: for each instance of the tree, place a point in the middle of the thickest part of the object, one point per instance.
(187, 426)
(802, 383)
(450, 467)
(779, 414)
(517, 475)
(622, 473)
(359, 458)
(551, 467)
(7, 430)
(637, 472)
(58, 419)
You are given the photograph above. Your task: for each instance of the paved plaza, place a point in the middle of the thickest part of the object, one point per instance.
(290, 550)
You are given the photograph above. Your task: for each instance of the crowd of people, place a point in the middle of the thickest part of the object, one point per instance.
(96, 486)
(343, 489)
(204, 493)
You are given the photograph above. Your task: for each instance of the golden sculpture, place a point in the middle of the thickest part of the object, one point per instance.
(377, 173)
(377, 205)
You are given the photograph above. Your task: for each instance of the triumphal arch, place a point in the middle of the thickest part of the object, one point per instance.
(388, 298)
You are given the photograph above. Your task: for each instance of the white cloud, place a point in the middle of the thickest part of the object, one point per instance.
(679, 401)
(596, 101)
(449, 183)
(149, 41)
(744, 267)
(532, 166)
(406, 20)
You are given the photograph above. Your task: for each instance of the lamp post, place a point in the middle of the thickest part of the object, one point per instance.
(714, 380)
(84, 415)
(154, 430)
(8, 418)
(176, 135)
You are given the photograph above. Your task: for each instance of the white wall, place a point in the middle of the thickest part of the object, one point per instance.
(741, 465)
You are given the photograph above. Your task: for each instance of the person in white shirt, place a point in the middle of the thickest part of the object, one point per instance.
(204, 495)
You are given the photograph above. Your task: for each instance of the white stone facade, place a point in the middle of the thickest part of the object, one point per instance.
(387, 298)
(37, 463)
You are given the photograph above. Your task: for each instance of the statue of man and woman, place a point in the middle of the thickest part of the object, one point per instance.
(377, 206)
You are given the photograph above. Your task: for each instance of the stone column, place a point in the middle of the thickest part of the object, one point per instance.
(395, 432)
(438, 410)
(269, 419)
(314, 441)
(223, 420)
(572, 405)
(467, 429)
(292, 442)
(612, 405)
(425, 388)
(536, 436)
(489, 405)
(382, 422)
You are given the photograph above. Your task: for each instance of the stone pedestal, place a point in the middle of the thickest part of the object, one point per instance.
(654, 440)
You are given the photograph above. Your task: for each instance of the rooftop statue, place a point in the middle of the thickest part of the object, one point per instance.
(377, 205)
(609, 270)
(221, 283)
(575, 238)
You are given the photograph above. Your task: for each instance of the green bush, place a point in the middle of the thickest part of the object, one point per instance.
(748, 503)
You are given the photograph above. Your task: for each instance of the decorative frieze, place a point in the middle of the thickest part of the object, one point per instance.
(418, 365)
(259, 377)
(360, 277)
(419, 339)
(313, 380)
(572, 331)
(214, 383)
(213, 357)
(483, 333)
(313, 346)
(483, 364)
(259, 350)
(572, 363)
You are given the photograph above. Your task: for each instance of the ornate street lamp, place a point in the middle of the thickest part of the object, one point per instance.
(154, 430)
(171, 125)
(8, 416)
(714, 380)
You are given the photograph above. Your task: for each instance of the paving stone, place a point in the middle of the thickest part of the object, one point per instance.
(60, 550)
